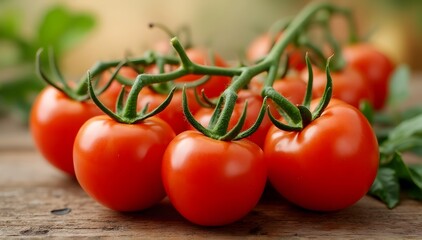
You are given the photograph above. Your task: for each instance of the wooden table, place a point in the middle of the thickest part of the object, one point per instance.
(30, 189)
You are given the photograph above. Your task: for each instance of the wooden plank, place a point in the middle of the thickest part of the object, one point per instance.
(30, 189)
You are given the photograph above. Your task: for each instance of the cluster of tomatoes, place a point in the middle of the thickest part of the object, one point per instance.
(327, 165)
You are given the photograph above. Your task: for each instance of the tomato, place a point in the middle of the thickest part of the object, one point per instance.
(327, 166)
(291, 87)
(261, 46)
(54, 122)
(212, 182)
(110, 95)
(173, 113)
(119, 165)
(375, 65)
(203, 115)
(349, 85)
(216, 84)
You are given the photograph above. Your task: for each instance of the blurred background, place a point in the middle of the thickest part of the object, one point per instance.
(83, 32)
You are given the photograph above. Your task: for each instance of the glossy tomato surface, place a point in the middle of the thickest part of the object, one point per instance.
(119, 165)
(327, 166)
(213, 182)
(55, 120)
(375, 65)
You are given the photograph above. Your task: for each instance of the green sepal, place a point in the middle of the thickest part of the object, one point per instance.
(230, 135)
(256, 124)
(281, 125)
(326, 96)
(190, 118)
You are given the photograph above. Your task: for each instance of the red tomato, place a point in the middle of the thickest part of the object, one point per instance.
(327, 166)
(293, 88)
(119, 165)
(212, 182)
(203, 116)
(349, 85)
(375, 65)
(54, 122)
(262, 45)
(110, 95)
(173, 113)
(216, 84)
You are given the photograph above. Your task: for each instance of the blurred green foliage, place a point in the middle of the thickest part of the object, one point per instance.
(59, 28)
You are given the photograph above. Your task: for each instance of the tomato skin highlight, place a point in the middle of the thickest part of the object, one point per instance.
(55, 120)
(376, 67)
(327, 166)
(212, 182)
(119, 165)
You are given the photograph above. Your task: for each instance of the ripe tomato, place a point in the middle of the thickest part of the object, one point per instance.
(203, 115)
(349, 85)
(291, 87)
(327, 166)
(110, 95)
(212, 182)
(216, 84)
(375, 65)
(54, 122)
(173, 113)
(261, 46)
(119, 165)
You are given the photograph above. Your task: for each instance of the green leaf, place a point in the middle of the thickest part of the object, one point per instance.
(416, 172)
(10, 23)
(413, 190)
(368, 111)
(61, 28)
(407, 128)
(399, 85)
(411, 112)
(412, 175)
(386, 187)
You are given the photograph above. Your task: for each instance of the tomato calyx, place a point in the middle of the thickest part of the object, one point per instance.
(219, 122)
(298, 117)
(127, 113)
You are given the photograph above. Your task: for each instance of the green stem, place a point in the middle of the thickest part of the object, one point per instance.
(193, 68)
(143, 80)
(222, 124)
